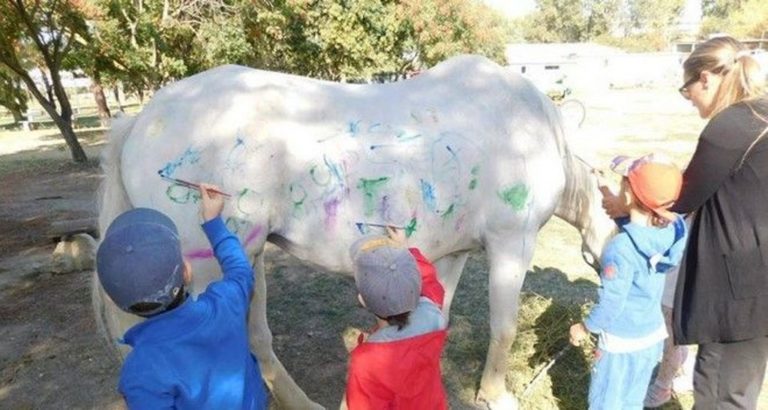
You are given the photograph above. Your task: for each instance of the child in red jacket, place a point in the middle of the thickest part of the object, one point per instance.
(398, 365)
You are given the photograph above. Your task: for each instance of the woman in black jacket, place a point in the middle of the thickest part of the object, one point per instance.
(721, 300)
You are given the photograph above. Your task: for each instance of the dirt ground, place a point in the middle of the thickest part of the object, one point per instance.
(49, 355)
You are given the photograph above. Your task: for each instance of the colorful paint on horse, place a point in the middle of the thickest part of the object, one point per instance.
(317, 178)
(410, 228)
(207, 253)
(473, 183)
(448, 212)
(298, 196)
(515, 196)
(405, 136)
(255, 233)
(428, 195)
(189, 157)
(241, 202)
(182, 195)
(354, 128)
(370, 189)
(237, 225)
(236, 157)
(331, 211)
(199, 254)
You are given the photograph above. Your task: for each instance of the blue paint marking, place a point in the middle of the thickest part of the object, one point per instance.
(354, 127)
(403, 136)
(334, 169)
(189, 156)
(428, 194)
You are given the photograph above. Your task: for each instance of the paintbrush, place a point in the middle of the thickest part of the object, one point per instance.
(188, 184)
(361, 224)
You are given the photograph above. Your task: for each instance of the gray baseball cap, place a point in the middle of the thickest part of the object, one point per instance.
(386, 275)
(139, 261)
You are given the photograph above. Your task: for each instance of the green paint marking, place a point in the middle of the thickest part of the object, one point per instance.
(515, 196)
(448, 212)
(313, 172)
(298, 195)
(240, 196)
(475, 171)
(410, 228)
(370, 188)
(182, 195)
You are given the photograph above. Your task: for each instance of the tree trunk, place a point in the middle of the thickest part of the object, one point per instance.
(63, 121)
(18, 116)
(101, 100)
(65, 126)
(78, 154)
(116, 91)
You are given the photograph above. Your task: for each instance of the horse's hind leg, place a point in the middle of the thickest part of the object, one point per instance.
(286, 392)
(509, 257)
(449, 269)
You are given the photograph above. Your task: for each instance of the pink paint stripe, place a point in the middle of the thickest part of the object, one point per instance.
(255, 233)
(199, 254)
(208, 253)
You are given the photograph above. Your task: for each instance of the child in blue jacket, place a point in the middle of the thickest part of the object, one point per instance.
(187, 354)
(628, 316)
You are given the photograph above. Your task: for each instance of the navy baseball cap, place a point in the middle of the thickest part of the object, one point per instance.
(139, 261)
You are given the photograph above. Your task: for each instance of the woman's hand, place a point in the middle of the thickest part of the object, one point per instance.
(614, 205)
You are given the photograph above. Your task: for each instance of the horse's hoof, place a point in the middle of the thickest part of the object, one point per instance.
(505, 401)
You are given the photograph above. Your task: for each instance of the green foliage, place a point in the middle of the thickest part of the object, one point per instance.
(571, 20)
(644, 24)
(355, 39)
(439, 29)
(12, 94)
(741, 19)
(41, 34)
(636, 43)
(720, 8)
(649, 16)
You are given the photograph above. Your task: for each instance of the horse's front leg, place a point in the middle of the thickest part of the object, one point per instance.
(286, 392)
(509, 256)
(449, 269)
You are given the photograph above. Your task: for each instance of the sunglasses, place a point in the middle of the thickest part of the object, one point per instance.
(684, 89)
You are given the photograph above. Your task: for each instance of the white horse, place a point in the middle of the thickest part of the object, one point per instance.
(466, 156)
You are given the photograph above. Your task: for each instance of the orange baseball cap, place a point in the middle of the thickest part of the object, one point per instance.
(655, 181)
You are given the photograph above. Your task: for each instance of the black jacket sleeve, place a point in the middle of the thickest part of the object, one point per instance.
(721, 146)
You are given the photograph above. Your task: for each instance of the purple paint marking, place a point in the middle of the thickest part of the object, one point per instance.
(331, 210)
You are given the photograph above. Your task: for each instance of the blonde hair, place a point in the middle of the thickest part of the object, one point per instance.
(742, 78)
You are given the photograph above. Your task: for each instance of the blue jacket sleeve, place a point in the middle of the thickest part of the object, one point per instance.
(616, 281)
(237, 284)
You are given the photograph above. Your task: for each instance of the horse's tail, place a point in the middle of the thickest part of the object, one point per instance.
(113, 200)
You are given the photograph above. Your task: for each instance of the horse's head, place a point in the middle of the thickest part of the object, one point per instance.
(581, 206)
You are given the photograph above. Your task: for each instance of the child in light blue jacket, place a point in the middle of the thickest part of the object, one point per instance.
(628, 317)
